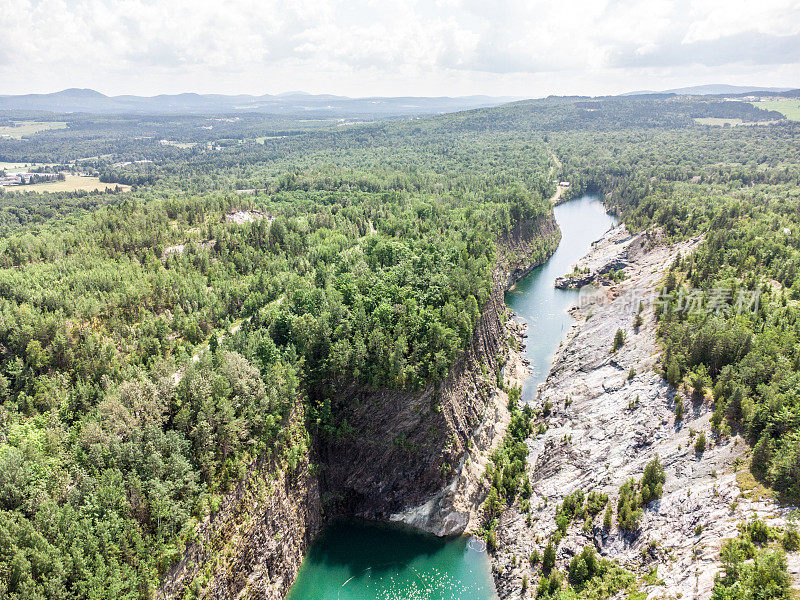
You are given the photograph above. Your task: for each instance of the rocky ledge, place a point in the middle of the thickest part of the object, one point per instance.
(612, 252)
(612, 413)
(454, 507)
(253, 545)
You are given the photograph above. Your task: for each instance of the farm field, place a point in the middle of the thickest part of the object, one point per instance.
(73, 183)
(22, 129)
(790, 108)
(16, 167)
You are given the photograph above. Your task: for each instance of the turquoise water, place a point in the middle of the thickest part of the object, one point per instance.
(358, 560)
(542, 306)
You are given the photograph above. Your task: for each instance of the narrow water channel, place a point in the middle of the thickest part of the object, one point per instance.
(544, 307)
(356, 560)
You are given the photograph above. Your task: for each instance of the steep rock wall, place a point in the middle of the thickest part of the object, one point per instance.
(406, 447)
(253, 545)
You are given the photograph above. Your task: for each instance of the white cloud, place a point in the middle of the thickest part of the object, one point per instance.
(363, 47)
(714, 19)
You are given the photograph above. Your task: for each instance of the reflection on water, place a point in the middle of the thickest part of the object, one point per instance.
(542, 306)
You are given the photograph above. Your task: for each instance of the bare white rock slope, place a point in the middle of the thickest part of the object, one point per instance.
(612, 413)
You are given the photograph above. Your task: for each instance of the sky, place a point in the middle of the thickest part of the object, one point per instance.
(396, 47)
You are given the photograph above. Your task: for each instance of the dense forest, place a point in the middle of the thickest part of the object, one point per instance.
(729, 313)
(153, 343)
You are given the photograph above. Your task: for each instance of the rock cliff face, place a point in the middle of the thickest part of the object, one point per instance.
(409, 451)
(455, 508)
(253, 545)
(407, 447)
(612, 412)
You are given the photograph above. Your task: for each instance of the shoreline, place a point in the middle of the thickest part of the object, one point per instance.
(596, 439)
(456, 508)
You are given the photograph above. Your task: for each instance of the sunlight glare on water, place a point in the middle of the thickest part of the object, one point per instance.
(357, 560)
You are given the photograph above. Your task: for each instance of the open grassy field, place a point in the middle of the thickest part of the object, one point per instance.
(22, 129)
(72, 183)
(789, 108)
(10, 167)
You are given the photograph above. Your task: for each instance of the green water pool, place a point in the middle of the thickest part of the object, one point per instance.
(544, 307)
(357, 560)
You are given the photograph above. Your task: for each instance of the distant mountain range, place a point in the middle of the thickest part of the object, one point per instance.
(291, 103)
(302, 103)
(712, 90)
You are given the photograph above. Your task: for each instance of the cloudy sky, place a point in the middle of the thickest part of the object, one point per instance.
(396, 47)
